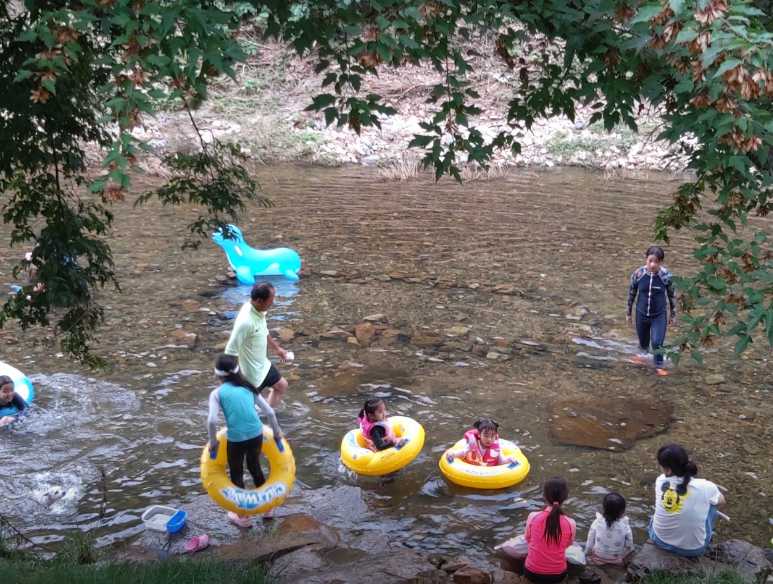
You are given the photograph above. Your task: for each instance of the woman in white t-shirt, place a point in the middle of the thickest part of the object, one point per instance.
(685, 506)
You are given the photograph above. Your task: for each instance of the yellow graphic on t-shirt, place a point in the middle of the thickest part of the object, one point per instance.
(672, 501)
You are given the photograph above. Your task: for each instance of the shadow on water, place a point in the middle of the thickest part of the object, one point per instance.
(285, 291)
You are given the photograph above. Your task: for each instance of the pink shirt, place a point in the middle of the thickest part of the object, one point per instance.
(544, 557)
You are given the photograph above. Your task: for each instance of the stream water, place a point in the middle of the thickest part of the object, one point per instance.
(535, 262)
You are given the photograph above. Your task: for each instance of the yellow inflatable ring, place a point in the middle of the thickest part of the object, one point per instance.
(214, 475)
(486, 477)
(357, 456)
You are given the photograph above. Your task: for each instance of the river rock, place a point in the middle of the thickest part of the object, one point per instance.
(612, 424)
(365, 331)
(349, 565)
(391, 336)
(191, 305)
(306, 524)
(714, 379)
(426, 339)
(335, 333)
(506, 289)
(184, 338)
(748, 560)
(293, 533)
(285, 334)
(375, 318)
(471, 575)
(500, 576)
(458, 331)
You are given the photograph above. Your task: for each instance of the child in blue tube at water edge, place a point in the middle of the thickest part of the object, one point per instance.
(12, 405)
(652, 289)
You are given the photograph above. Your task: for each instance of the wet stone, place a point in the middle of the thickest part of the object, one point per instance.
(365, 331)
(185, 338)
(748, 560)
(335, 334)
(457, 330)
(471, 575)
(191, 305)
(426, 339)
(375, 318)
(391, 336)
(285, 334)
(613, 424)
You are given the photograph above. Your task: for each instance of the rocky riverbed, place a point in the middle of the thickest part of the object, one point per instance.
(263, 111)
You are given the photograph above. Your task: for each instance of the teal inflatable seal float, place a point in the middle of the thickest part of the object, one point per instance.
(249, 263)
(21, 384)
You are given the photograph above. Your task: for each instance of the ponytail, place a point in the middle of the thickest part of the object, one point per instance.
(555, 492)
(675, 458)
(238, 379)
(613, 506)
(369, 408)
(227, 369)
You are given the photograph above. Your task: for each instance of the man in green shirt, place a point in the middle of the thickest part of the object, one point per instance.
(250, 340)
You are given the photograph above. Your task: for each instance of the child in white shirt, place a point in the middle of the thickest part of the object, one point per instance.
(610, 539)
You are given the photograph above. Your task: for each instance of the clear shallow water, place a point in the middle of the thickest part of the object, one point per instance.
(114, 442)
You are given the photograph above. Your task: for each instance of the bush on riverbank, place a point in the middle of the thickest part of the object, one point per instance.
(165, 572)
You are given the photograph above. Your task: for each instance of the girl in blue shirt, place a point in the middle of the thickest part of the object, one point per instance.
(237, 398)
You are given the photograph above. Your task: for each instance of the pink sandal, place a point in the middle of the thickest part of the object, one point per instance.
(197, 543)
(239, 520)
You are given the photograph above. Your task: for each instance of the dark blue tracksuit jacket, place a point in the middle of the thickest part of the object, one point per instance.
(655, 298)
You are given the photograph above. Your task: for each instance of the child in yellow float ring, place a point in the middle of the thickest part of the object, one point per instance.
(482, 447)
(237, 398)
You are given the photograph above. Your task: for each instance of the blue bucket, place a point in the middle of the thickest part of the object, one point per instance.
(176, 522)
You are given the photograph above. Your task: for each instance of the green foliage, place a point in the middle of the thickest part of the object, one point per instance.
(214, 179)
(87, 72)
(77, 550)
(78, 67)
(162, 572)
(726, 576)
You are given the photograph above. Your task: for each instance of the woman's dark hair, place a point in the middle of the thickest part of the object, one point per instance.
(370, 407)
(5, 380)
(613, 506)
(655, 250)
(261, 291)
(486, 424)
(555, 492)
(676, 459)
(228, 364)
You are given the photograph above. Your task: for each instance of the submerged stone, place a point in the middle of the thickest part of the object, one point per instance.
(612, 424)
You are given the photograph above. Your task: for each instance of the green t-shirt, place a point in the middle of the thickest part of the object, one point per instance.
(249, 342)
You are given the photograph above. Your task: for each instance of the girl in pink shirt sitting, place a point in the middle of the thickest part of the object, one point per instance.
(548, 533)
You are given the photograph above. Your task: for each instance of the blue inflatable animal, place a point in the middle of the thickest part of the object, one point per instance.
(250, 263)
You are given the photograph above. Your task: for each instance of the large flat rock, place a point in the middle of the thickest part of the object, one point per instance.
(746, 559)
(612, 424)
